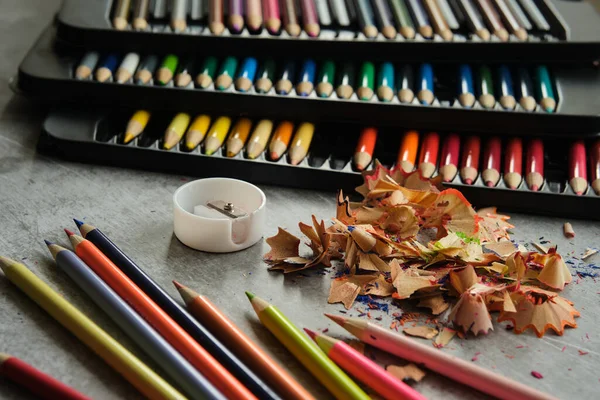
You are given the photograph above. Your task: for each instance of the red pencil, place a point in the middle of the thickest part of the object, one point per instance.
(595, 166)
(429, 153)
(469, 164)
(534, 167)
(44, 386)
(577, 168)
(491, 161)
(513, 163)
(449, 158)
(364, 148)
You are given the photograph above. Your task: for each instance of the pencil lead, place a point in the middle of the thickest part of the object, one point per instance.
(489, 184)
(469, 181)
(337, 319)
(78, 222)
(310, 333)
(48, 243)
(178, 285)
(535, 188)
(250, 295)
(68, 232)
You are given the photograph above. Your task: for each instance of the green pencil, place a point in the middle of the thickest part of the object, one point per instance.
(167, 69)
(266, 76)
(365, 81)
(407, 29)
(543, 88)
(226, 73)
(325, 79)
(206, 72)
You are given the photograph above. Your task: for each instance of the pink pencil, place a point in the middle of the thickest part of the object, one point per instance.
(253, 15)
(309, 18)
(271, 15)
(364, 369)
(438, 361)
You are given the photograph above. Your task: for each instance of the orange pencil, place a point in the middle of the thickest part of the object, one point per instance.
(407, 154)
(281, 140)
(151, 312)
(237, 341)
(364, 149)
(469, 164)
(429, 154)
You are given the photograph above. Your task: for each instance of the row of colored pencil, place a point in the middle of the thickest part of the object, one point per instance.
(502, 19)
(383, 82)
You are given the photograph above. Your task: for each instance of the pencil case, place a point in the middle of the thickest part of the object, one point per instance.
(97, 137)
(47, 72)
(568, 30)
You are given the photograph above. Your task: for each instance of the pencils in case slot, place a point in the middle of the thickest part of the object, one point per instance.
(196, 132)
(326, 79)
(535, 14)
(505, 88)
(485, 87)
(266, 76)
(474, 19)
(207, 72)
(281, 140)
(121, 15)
(301, 143)
(176, 130)
(420, 19)
(185, 73)
(146, 70)
(290, 18)
(37, 382)
(226, 73)
(545, 93)
(429, 154)
(157, 348)
(179, 15)
(363, 155)
(513, 163)
(215, 16)
(437, 19)
(363, 369)
(259, 138)
(246, 74)
(118, 357)
(466, 90)
(285, 79)
(492, 154)
(426, 93)
(167, 69)
(239, 136)
(365, 18)
(534, 164)
(525, 89)
(310, 21)
(216, 135)
(136, 125)
(365, 81)
(271, 14)
(403, 19)
(405, 84)
(306, 77)
(127, 68)
(340, 12)
(595, 166)
(107, 67)
(493, 19)
(140, 15)
(87, 65)
(311, 357)
(383, 15)
(510, 20)
(345, 81)
(385, 82)
(236, 16)
(469, 164)
(577, 168)
(253, 15)
(407, 153)
(449, 157)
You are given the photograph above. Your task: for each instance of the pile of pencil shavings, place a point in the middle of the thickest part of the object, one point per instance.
(411, 240)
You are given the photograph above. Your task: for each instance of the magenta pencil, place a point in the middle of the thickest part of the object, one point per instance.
(236, 16)
(271, 15)
(309, 18)
(364, 369)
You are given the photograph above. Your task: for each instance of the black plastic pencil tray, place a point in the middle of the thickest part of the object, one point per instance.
(575, 28)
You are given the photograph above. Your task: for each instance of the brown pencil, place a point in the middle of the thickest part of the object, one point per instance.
(121, 14)
(493, 19)
(437, 19)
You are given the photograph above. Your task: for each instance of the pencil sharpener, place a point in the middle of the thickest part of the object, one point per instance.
(219, 215)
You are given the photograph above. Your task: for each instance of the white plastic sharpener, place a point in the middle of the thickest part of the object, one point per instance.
(219, 215)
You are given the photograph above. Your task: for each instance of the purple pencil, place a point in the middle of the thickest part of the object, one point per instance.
(236, 16)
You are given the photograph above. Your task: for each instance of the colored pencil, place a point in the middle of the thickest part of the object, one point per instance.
(519, 15)
(196, 132)
(491, 161)
(469, 164)
(210, 315)
(383, 15)
(310, 21)
(127, 68)
(207, 72)
(285, 79)
(313, 359)
(121, 14)
(485, 87)
(326, 79)
(474, 19)
(216, 135)
(290, 18)
(259, 138)
(363, 154)
(266, 76)
(340, 12)
(215, 17)
(185, 73)
(407, 153)
(365, 81)
(545, 93)
(366, 21)
(449, 159)
(167, 69)
(158, 318)
(420, 18)
(306, 78)
(510, 20)
(179, 15)
(525, 89)
(363, 369)
(118, 357)
(87, 65)
(246, 74)
(176, 130)
(160, 9)
(385, 82)
(239, 136)
(148, 340)
(448, 14)
(443, 363)
(493, 19)
(145, 71)
(403, 19)
(323, 13)
(253, 11)
(429, 154)
(140, 15)
(281, 140)
(595, 166)
(535, 14)
(425, 94)
(236, 16)
(226, 73)
(577, 168)
(505, 88)
(466, 90)
(136, 125)
(34, 380)
(345, 81)
(271, 14)
(301, 143)
(534, 164)
(437, 19)
(513, 163)
(107, 67)
(405, 83)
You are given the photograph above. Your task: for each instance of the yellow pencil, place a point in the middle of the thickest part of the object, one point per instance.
(301, 143)
(238, 137)
(281, 140)
(259, 139)
(197, 131)
(175, 130)
(216, 135)
(136, 125)
(136, 372)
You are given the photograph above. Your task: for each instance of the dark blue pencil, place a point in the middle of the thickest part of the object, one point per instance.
(525, 89)
(466, 90)
(505, 88)
(306, 78)
(107, 67)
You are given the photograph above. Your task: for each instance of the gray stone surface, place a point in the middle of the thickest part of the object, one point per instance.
(40, 195)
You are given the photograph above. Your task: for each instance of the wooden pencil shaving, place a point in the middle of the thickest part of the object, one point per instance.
(568, 230)
(444, 337)
(407, 372)
(411, 240)
(424, 332)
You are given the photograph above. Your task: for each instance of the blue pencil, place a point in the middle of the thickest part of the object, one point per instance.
(285, 80)
(505, 88)
(525, 89)
(306, 77)
(466, 90)
(246, 74)
(425, 80)
(107, 67)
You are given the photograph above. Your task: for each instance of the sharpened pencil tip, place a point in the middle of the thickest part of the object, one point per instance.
(549, 109)
(250, 295)
(310, 333)
(469, 181)
(489, 184)
(178, 285)
(337, 319)
(48, 243)
(68, 232)
(535, 188)
(424, 103)
(78, 222)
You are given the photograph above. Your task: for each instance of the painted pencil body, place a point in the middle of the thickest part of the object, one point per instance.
(87, 65)
(253, 14)
(216, 135)
(207, 72)
(426, 92)
(513, 163)
(323, 12)
(485, 88)
(469, 165)
(466, 89)
(185, 73)
(266, 76)
(175, 130)
(429, 154)
(107, 68)
(281, 140)
(493, 19)
(403, 19)
(366, 21)
(363, 155)
(140, 15)
(285, 81)
(505, 88)
(145, 71)
(136, 125)
(420, 18)
(301, 143)
(310, 20)
(236, 15)
(127, 68)
(179, 15)
(594, 155)
(510, 20)
(259, 139)
(535, 14)
(406, 84)
(290, 18)
(474, 19)
(385, 82)
(121, 14)
(340, 12)
(449, 158)
(306, 78)
(519, 15)
(491, 161)
(407, 153)
(167, 69)
(246, 74)
(226, 73)
(238, 137)
(271, 16)
(345, 81)
(545, 92)
(534, 164)
(365, 81)
(448, 13)
(196, 132)
(326, 79)
(383, 15)
(578, 168)
(437, 19)
(525, 89)
(215, 16)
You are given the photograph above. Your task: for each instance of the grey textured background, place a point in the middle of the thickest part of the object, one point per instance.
(40, 195)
